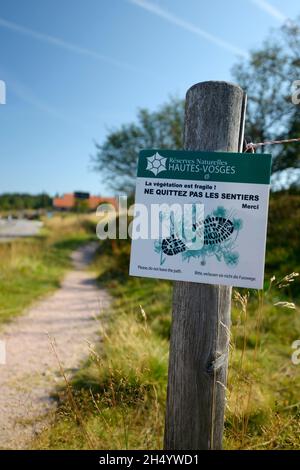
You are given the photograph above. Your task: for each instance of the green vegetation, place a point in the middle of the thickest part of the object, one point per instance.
(283, 252)
(267, 76)
(117, 398)
(32, 267)
(20, 201)
(116, 158)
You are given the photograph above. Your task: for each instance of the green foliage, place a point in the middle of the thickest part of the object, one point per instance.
(116, 158)
(267, 76)
(283, 250)
(20, 201)
(81, 206)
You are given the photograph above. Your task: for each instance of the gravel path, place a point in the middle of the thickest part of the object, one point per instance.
(31, 372)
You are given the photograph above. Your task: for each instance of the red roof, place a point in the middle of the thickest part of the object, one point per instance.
(68, 201)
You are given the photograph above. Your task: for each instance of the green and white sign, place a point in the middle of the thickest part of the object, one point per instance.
(223, 244)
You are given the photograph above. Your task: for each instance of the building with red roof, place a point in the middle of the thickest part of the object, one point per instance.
(69, 201)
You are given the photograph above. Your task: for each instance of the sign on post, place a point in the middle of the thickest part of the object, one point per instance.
(214, 206)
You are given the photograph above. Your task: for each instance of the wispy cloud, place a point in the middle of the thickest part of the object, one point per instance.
(27, 96)
(171, 18)
(270, 9)
(22, 92)
(61, 43)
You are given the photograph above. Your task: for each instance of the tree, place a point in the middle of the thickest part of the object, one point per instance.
(116, 158)
(268, 76)
(81, 206)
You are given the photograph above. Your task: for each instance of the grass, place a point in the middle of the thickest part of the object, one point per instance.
(283, 251)
(263, 387)
(33, 267)
(117, 399)
(120, 392)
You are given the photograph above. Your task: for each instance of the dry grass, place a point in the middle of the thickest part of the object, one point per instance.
(119, 395)
(121, 391)
(263, 405)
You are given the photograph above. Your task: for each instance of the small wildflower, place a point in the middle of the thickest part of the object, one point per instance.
(241, 299)
(287, 280)
(143, 313)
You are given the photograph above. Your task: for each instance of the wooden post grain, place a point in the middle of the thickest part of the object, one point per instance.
(214, 121)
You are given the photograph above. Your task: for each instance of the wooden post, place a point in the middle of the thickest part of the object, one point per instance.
(214, 121)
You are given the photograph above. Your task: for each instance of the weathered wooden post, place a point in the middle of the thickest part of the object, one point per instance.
(214, 121)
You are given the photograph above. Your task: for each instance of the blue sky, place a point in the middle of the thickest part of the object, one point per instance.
(74, 69)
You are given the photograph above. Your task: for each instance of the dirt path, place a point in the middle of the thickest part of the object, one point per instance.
(31, 371)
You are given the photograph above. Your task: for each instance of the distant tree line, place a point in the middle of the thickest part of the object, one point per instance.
(20, 201)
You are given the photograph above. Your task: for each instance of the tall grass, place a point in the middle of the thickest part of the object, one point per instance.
(263, 405)
(120, 392)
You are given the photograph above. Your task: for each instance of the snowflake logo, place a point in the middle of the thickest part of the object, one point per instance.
(156, 164)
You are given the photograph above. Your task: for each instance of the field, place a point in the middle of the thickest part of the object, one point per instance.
(117, 399)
